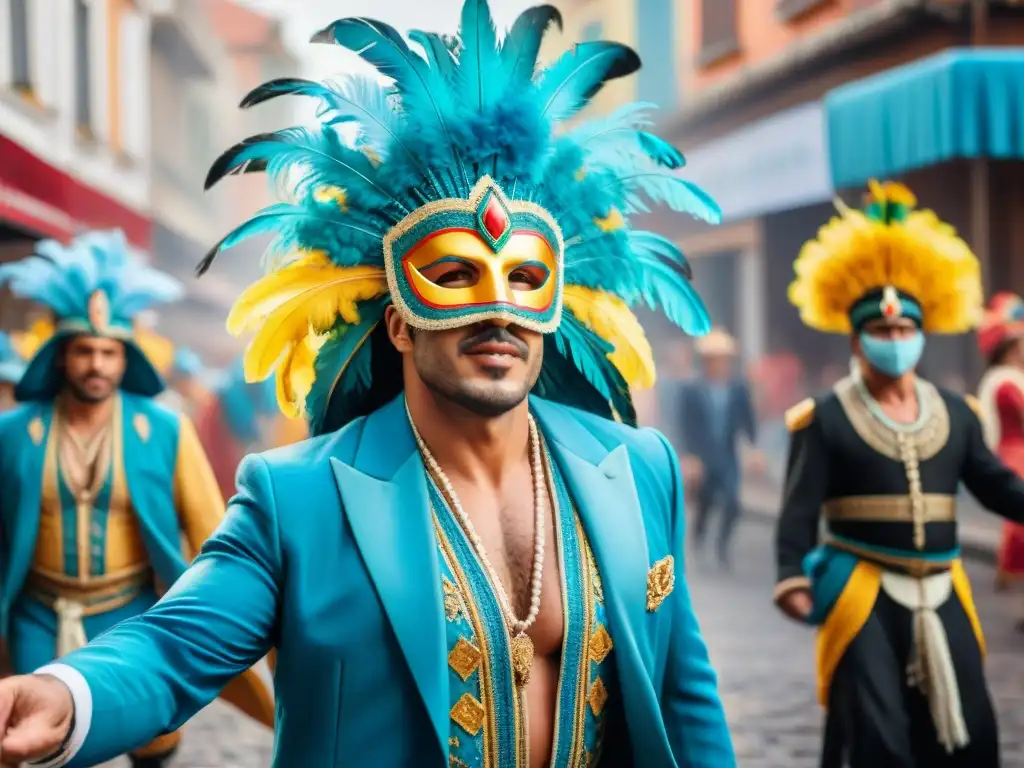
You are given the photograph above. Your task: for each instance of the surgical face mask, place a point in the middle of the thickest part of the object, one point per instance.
(893, 357)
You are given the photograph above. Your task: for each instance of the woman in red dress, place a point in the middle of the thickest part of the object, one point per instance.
(1001, 396)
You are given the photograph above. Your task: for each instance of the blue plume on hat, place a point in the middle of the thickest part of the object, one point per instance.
(93, 286)
(12, 367)
(65, 278)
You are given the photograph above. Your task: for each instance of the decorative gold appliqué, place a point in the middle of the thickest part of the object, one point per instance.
(468, 714)
(600, 644)
(141, 424)
(926, 441)
(661, 580)
(464, 658)
(598, 696)
(452, 604)
(36, 430)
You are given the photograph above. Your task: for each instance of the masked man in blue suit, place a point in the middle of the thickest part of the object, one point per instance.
(99, 483)
(453, 571)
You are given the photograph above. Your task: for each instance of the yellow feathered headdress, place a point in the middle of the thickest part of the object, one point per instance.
(888, 245)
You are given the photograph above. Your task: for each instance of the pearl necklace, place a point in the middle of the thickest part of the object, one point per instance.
(521, 644)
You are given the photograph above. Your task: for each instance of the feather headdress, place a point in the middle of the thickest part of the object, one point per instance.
(887, 255)
(461, 119)
(12, 364)
(91, 286)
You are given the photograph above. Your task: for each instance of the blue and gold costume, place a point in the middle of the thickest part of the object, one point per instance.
(93, 527)
(342, 551)
(900, 647)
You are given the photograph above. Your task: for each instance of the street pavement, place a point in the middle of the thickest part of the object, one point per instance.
(765, 665)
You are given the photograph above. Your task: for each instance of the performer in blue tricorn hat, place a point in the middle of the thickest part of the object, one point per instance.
(478, 561)
(99, 484)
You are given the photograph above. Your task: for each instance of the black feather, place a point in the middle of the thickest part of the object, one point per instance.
(225, 164)
(272, 89)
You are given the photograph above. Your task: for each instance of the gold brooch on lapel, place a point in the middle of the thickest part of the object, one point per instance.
(141, 424)
(36, 430)
(661, 580)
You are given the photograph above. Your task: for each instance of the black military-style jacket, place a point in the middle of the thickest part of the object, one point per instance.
(886, 494)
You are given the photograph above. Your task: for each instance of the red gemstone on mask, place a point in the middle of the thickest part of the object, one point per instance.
(889, 310)
(495, 220)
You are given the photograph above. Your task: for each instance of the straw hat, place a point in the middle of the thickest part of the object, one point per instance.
(716, 343)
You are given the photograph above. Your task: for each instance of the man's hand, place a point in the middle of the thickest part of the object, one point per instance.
(36, 713)
(797, 604)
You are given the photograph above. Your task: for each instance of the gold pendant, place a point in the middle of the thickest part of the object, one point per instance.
(522, 658)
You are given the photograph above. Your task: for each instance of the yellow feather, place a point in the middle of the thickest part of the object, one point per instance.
(316, 311)
(302, 298)
(158, 350)
(921, 256)
(611, 222)
(27, 343)
(610, 318)
(296, 373)
(308, 276)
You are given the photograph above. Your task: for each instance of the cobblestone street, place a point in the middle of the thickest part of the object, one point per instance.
(765, 664)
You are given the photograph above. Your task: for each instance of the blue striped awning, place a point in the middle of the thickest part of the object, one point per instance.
(961, 103)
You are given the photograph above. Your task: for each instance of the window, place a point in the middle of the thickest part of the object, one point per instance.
(134, 98)
(656, 42)
(717, 30)
(21, 70)
(592, 32)
(83, 70)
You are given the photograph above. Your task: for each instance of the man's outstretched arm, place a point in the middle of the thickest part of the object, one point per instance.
(151, 673)
(691, 707)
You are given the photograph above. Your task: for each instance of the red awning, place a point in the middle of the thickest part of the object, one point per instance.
(36, 196)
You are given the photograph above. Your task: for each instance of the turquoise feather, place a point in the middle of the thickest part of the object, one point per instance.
(577, 76)
(520, 48)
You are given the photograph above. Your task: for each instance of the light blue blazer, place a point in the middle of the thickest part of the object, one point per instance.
(328, 553)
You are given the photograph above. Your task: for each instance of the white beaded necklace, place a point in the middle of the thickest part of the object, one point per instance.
(521, 644)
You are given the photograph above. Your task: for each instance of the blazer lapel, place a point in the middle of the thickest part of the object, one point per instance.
(602, 486)
(384, 496)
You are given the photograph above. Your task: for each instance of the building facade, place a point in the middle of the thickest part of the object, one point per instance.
(74, 123)
(777, 108)
(205, 55)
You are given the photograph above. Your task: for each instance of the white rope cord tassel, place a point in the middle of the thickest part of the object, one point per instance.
(70, 630)
(931, 666)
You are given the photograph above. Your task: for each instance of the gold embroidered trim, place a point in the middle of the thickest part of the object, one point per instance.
(490, 744)
(912, 565)
(141, 424)
(452, 604)
(469, 205)
(661, 580)
(468, 714)
(800, 415)
(598, 696)
(600, 644)
(36, 430)
(927, 441)
(935, 508)
(464, 658)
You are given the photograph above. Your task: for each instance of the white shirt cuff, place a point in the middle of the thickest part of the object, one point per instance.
(82, 697)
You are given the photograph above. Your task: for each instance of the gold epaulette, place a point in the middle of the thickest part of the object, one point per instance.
(975, 406)
(800, 415)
